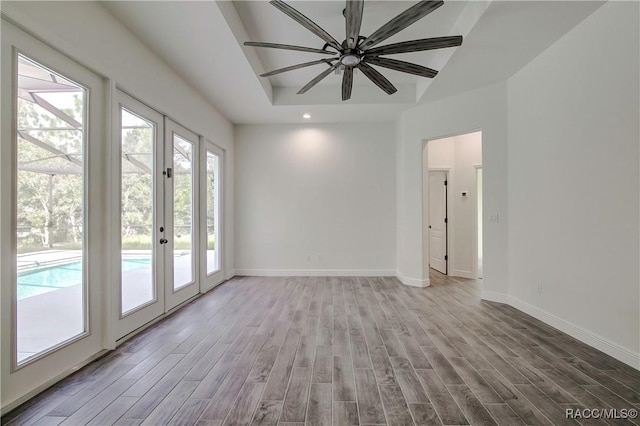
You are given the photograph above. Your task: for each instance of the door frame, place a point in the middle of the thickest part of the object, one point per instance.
(425, 203)
(478, 226)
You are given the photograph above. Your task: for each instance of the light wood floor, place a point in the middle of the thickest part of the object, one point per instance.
(346, 351)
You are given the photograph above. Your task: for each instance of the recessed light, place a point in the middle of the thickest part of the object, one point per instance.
(307, 116)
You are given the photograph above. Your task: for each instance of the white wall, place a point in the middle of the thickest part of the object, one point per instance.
(324, 191)
(440, 153)
(483, 109)
(88, 34)
(574, 183)
(459, 154)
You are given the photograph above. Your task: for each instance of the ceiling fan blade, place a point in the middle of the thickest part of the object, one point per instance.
(319, 77)
(287, 47)
(294, 67)
(379, 80)
(347, 83)
(416, 45)
(402, 66)
(306, 22)
(353, 18)
(401, 22)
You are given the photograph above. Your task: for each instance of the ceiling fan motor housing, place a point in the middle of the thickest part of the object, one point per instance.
(350, 58)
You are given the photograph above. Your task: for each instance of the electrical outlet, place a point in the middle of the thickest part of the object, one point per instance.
(319, 258)
(540, 287)
(495, 218)
(308, 258)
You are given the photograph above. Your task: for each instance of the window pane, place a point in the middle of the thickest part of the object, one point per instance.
(136, 211)
(50, 209)
(182, 212)
(212, 211)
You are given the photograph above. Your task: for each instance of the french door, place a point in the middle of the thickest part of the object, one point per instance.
(159, 239)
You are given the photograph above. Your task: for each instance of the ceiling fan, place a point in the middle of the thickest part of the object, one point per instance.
(357, 51)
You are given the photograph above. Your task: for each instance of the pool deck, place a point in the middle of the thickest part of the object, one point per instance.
(46, 319)
(46, 258)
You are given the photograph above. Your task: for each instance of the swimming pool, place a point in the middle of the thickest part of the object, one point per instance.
(32, 283)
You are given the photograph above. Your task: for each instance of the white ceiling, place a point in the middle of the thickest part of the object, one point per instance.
(202, 42)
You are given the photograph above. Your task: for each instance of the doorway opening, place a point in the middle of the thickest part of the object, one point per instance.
(452, 199)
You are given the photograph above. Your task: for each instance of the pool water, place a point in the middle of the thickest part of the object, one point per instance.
(32, 283)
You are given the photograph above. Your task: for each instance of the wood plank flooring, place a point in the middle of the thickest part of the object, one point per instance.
(347, 351)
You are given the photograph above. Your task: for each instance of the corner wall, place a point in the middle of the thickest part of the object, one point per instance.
(315, 199)
(574, 182)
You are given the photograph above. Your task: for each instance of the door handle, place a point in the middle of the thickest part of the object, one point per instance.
(163, 241)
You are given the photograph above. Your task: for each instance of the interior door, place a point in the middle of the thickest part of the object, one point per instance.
(140, 156)
(438, 221)
(179, 237)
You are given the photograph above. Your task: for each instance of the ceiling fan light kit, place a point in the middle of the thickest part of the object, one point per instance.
(357, 51)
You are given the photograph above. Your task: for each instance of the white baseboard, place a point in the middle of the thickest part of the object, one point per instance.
(316, 272)
(462, 274)
(495, 297)
(585, 336)
(605, 345)
(413, 282)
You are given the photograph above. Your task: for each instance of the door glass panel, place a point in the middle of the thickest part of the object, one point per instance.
(212, 212)
(50, 199)
(137, 285)
(182, 212)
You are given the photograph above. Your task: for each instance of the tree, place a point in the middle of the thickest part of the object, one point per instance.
(49, 186)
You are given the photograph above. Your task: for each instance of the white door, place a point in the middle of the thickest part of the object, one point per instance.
(438, 221)
(180, 237)
(140, 158)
